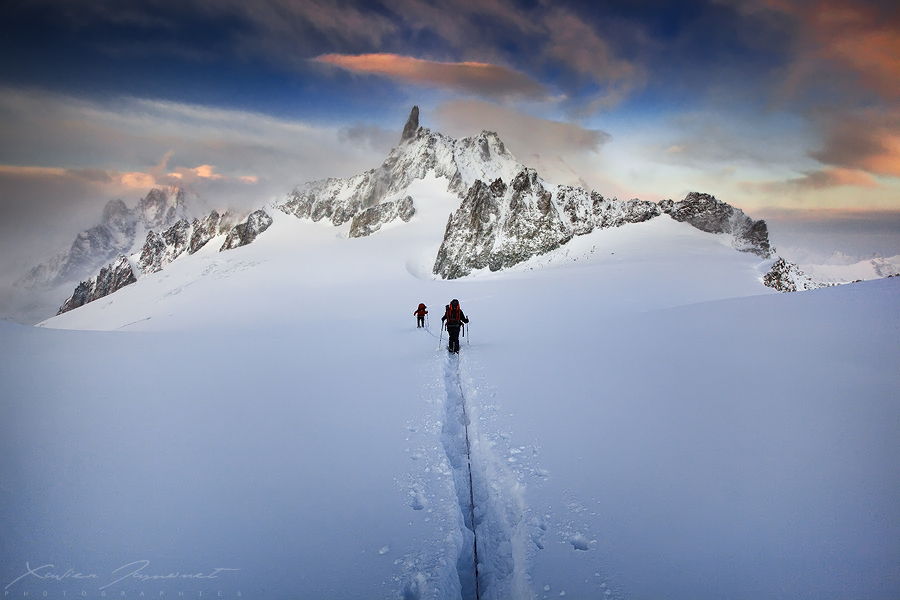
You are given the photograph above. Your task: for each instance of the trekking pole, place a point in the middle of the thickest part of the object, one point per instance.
(440, 335)
(468, 339)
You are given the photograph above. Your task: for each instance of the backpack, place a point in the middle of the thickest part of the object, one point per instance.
(454, 316)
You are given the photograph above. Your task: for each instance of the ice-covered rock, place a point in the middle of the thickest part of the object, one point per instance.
(161, 207)
(244, 233)
(421, 152)
(120, 228)
(203, 231)
(112, 277)
(706, 213)
(498, 226)
(151, 257)
(160, 250)
(371, 219)
(785, 276)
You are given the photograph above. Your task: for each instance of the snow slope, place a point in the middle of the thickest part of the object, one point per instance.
(640, 417)
(873, 268)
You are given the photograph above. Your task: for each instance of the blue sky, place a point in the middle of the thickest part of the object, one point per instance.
(787, 109)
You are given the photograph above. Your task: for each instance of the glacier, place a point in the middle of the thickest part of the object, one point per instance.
(641, 417)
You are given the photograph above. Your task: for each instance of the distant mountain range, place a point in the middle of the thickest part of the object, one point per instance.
(507, 214)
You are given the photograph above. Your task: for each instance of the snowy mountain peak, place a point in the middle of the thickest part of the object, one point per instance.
(119, 231)
(115, 212)
(162, 206)
(422, 152)
(412, 125)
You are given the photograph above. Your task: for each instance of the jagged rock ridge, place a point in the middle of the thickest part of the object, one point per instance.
(498, 226)
(161, 249)
(111, 278)
(708, 214)
(492, 228)
(244, 233)
(115, 235)
(785, 276)
(421, 152)
(371, 219)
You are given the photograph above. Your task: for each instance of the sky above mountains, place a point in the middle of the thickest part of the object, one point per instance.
(787, 109)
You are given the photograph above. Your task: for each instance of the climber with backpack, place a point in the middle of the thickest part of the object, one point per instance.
(454, 318)
(420, 315)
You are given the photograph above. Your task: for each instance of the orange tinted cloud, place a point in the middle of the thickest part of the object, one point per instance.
(868, 140)
(135, 179)
(206, 172)
(25, 171)
(856, 35)
(138, 180)
(484, 79)
(818, 180)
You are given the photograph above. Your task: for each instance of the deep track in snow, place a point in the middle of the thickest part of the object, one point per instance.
(456, 430)
(492, 560)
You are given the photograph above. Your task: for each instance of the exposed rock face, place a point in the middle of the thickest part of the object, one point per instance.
(161, 207)
(158, 251)
(422, 152)
(706, 213)
(498, 226)
(244, 233)
(99, 244)
(371, 219)
(785, 276)
(203, 231)
(177, 238)
(152, 253)
(116, 234)
(412, 125)
(112, 277)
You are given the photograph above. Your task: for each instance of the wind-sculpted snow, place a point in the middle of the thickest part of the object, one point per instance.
(785, 276)
(112, 277)
(498, 226)
(709, 214)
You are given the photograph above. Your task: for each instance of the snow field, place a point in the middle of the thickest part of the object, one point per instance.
(633, 432)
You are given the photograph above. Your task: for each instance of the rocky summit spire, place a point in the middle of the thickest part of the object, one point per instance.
(412, 125)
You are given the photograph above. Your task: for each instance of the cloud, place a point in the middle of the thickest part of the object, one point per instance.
(830, 177)
(63, 158)
(867, 140)
(482, 79)
(376, 138)
(712, 139)
(572, 42)
(523, 132)
(562, 45)
(862, 38)
(820, 235)
(563, 152)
